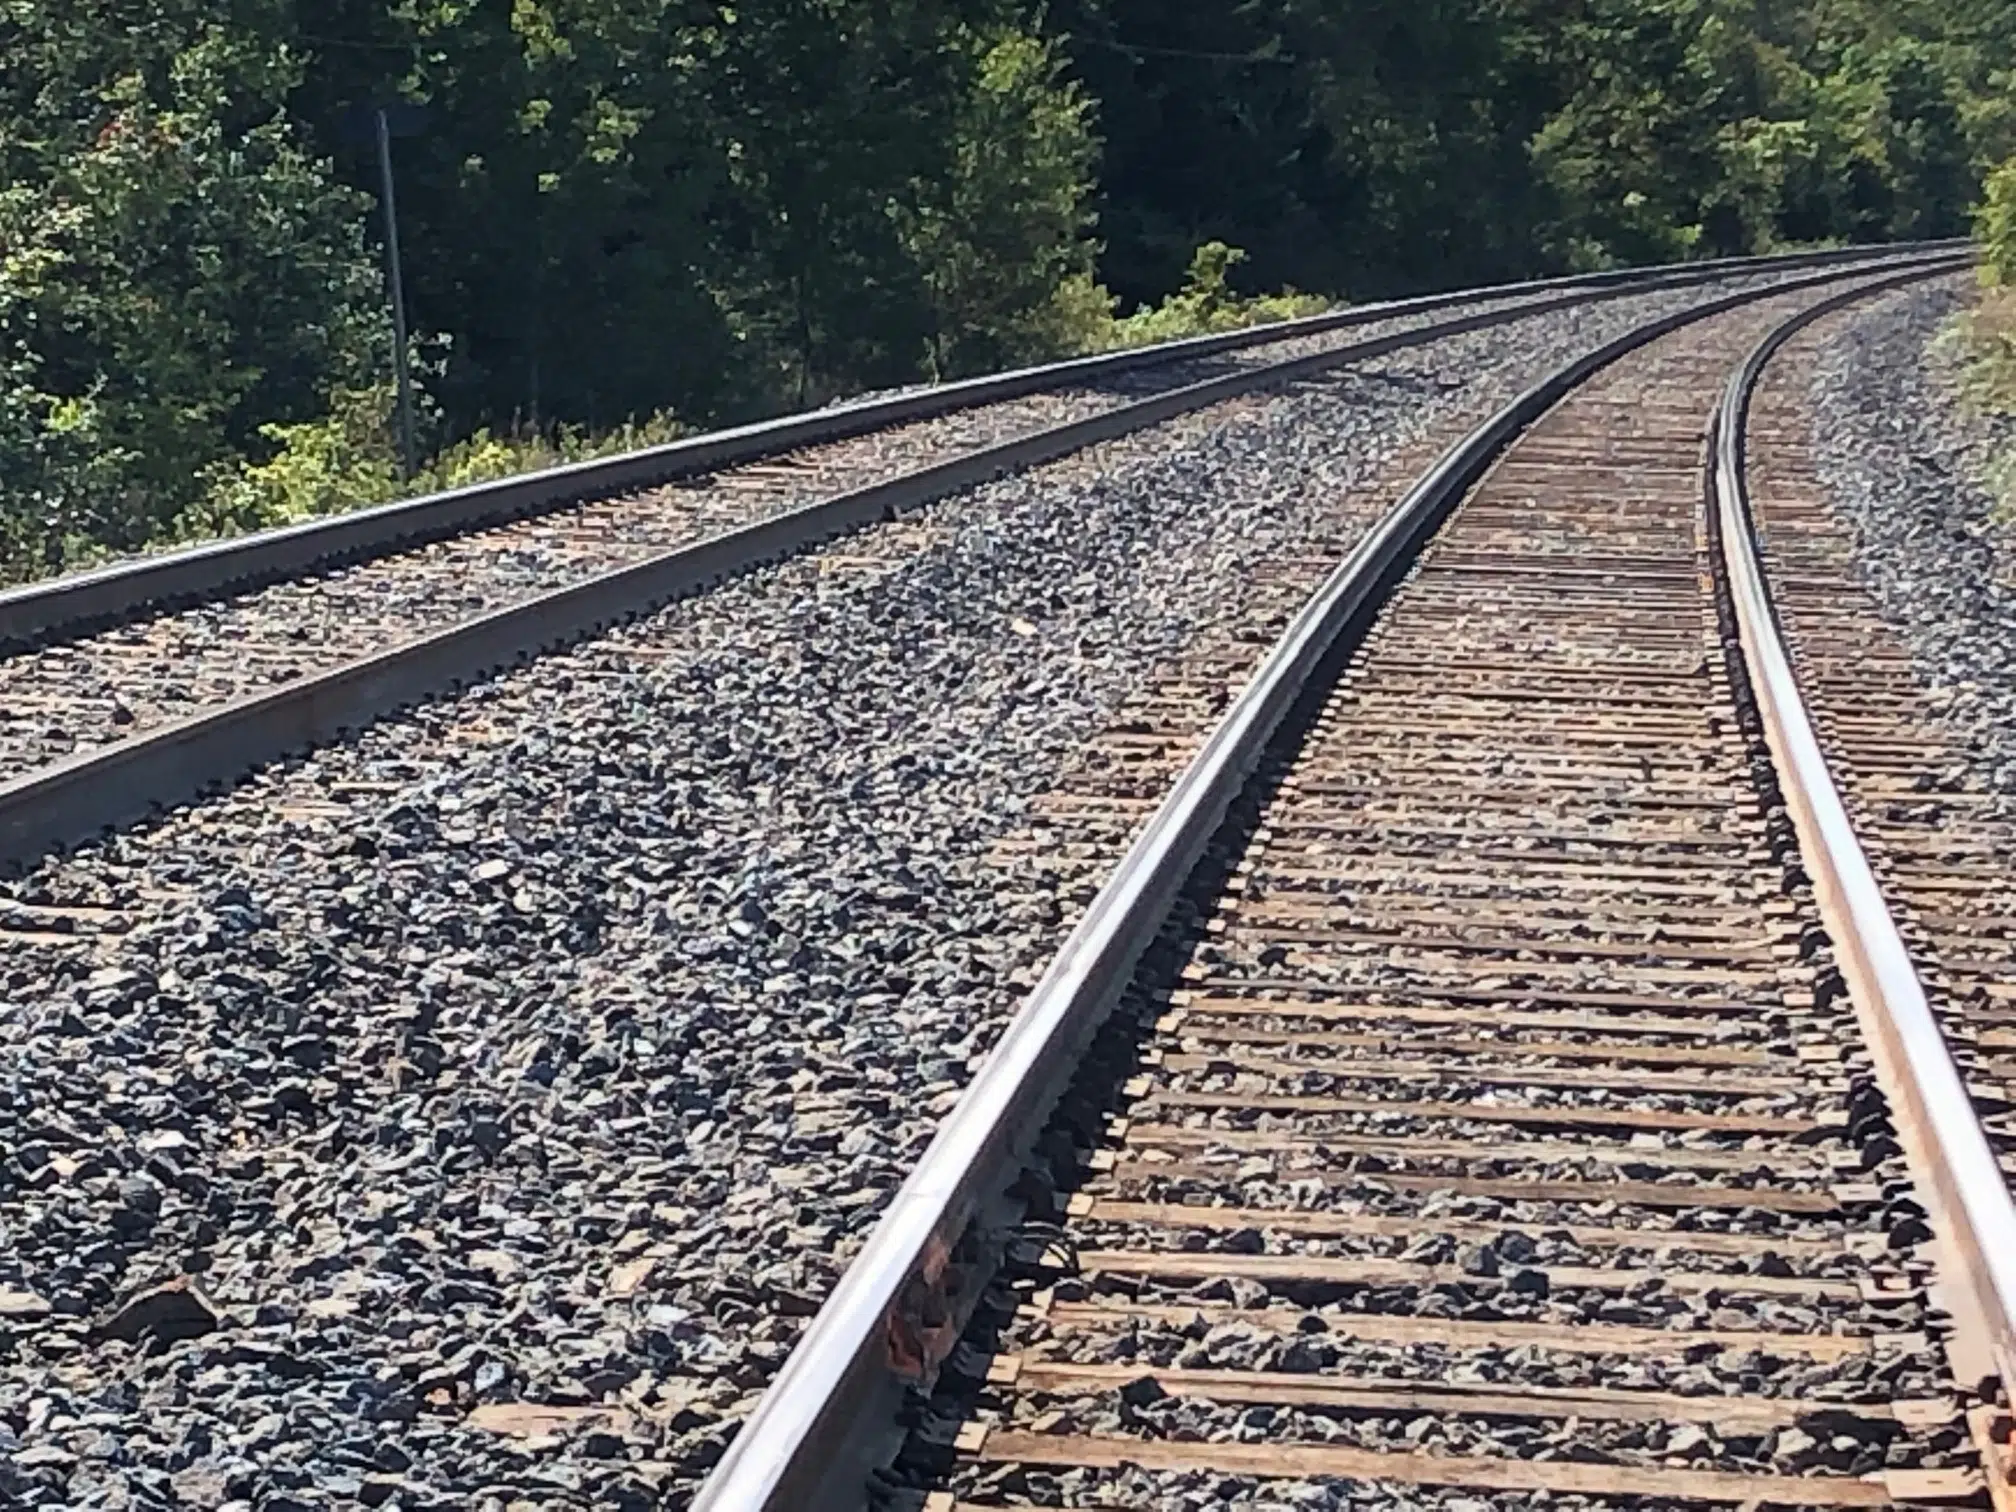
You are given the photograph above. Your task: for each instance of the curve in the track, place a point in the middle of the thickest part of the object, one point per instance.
(1495, 1128)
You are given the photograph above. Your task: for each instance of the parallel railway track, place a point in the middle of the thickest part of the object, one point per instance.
(1456, 1096)
(61, 608)
(144, 683)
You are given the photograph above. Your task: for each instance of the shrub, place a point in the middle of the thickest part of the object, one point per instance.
(1995, 226)
(1206, 304)
(350, 459)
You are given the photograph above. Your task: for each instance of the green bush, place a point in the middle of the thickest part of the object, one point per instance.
(1980, 347)
(1982, 344)
(1995, 226)
(1078, 317)
(350, 459)
(1206, 304)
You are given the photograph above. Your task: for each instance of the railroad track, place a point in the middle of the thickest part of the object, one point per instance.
(145, 683)
(1943, 845)
(1492, 1077)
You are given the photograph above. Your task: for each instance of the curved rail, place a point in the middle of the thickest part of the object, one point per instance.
(60, 605)
(829, 1418)
(113, 783)
(1969, 1194)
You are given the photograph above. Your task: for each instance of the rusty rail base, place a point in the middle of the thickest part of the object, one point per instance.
(1960, 1177)
(80, 601)
(830, 1419)
(109, 785)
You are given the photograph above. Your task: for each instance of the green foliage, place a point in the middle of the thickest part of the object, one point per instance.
(1979, 346)
(56, 462)
(621, 206)
(617, 207)
(1995, 226)
(1206, 304)
(1001, 234)
(344, 460)
(1370, 146)
(178, 268)
(651, 207)
(350, 459)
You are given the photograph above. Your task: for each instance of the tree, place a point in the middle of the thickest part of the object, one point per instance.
(1001, 235)
(180, 269)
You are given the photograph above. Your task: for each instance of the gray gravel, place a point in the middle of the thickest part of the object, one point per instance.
(1908, 467)
(87, 693)
(558, 1045)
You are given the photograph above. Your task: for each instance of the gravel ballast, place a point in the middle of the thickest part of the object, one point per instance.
(108, 686)
(557, 1045)
(1906, 465)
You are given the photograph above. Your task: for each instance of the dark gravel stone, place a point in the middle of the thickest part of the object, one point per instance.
(1909, 467)
(164, 1314)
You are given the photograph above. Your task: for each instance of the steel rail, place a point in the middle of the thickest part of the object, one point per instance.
(109, 784)
(829, 1420)
(79, 601)
(1969, 1195)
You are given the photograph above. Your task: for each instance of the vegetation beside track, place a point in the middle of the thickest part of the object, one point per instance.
(1981, 340)
(633, 208)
